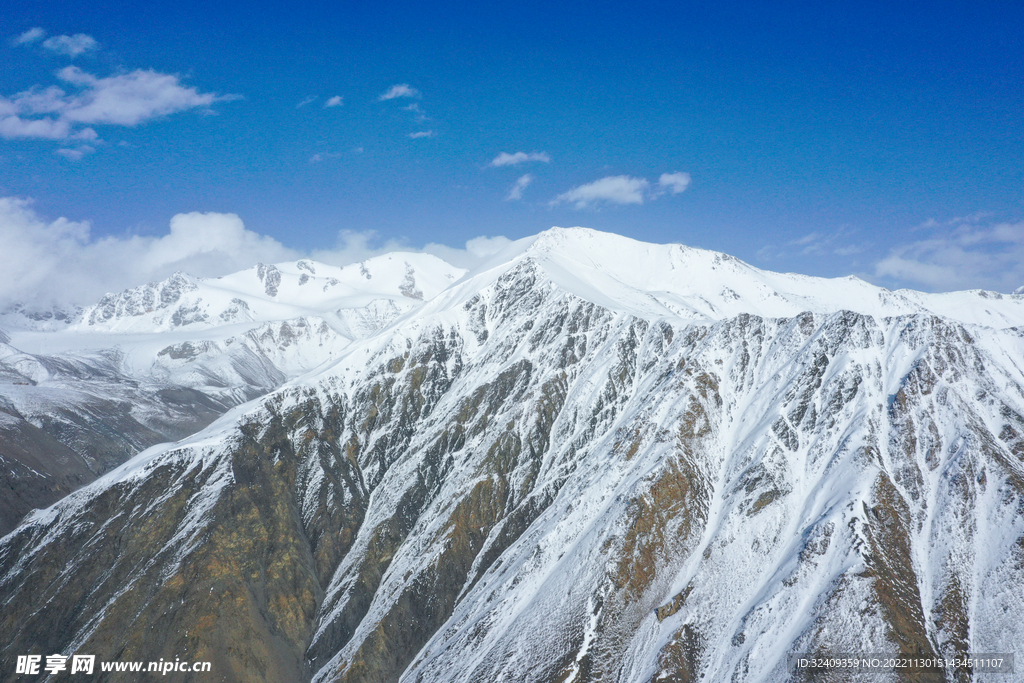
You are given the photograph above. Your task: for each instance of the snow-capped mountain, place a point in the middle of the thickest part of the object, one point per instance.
(267, 293)
(590, 459)
(81, 393)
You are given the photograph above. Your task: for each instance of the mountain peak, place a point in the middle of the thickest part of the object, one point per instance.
(693, 283)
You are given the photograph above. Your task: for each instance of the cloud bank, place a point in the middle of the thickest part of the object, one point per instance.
(962, 254)
(59, 262)
(476, 251)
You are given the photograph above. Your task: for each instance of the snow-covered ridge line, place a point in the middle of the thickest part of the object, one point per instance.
(655, 280)
(625, 274)
(270, 292)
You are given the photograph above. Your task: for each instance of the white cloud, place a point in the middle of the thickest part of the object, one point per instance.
(71, 46)
(75, 153)
(129, 99)
(968, 255)
(622, 189)
(400, 90)
(422, 134)
(60, 262)
(125, 100)
(309, 100)
(476, 252)
(30, 36)
(674, 182)
(506, 159)
(45, 128)
(619, 189)
(335, 101)
(352, 247)
(516, 193)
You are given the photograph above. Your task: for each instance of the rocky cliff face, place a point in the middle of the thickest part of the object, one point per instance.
(533, 481)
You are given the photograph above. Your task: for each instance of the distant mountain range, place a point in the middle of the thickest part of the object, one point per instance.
(83, 391)
(589, 459)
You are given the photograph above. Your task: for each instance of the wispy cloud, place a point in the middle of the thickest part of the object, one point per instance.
(970, 254)
(309, 100)
(30, 36)
(414, 107)
(71, 46)
(516, 193)
(619, 189)
(124, 100)
(842, 241)
(839, 242)
(75, 153)
(506, 159)
(622, 189)
(327, 156)
(335, 101)
(399, 90)
(421, 134)
(324, 156)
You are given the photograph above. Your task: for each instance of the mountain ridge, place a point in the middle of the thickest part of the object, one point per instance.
(513, 480)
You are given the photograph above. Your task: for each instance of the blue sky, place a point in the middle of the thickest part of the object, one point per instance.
(879, 139)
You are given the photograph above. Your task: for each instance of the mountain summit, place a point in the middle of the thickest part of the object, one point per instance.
(588, 459)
